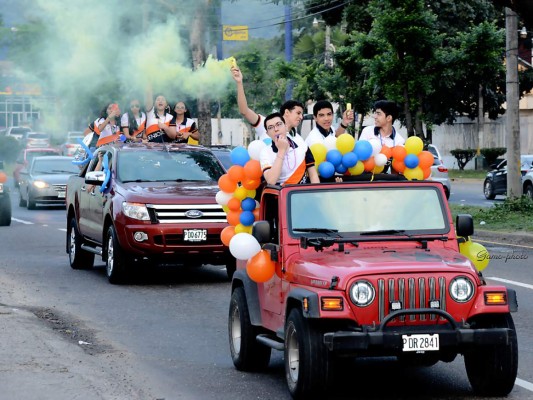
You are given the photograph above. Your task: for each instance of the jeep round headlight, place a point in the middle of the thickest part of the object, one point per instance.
(461, 289)
(362, 293)
(136, 211)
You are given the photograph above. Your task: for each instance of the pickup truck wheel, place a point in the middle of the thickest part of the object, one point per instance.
(247, 354)
(78, 258)
(488, 190)
(31, 204)
(231, 267)
(308, 363)
(492, 370)
(116, 260)
(22, 202)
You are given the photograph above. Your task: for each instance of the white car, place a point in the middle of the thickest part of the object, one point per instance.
(17, 132)
(527, 184)
(439, 172)
(71, 143)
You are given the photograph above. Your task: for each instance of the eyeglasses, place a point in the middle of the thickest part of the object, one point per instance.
(135, 106)
(179, 108)
(276, 125)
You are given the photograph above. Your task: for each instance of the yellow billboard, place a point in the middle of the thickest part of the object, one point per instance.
(235, 32)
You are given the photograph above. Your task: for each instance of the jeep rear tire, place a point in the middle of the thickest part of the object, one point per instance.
(78, 258)
(492, 370)
(307, 360)
(115, 258)
(247, 354)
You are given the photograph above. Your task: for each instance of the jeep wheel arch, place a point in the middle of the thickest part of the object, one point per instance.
(296, 299)
(241, 279)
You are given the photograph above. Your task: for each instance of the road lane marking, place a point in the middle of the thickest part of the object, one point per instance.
(62, 229)
(22, 221)
(525, 384)
(526, 285)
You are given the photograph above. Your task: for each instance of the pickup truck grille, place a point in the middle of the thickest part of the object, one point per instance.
(186, 213)
(412, 292)
(60, 187)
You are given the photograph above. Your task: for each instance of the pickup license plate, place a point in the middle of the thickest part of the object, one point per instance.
(194, 235)
(420, 342)
(61, 195)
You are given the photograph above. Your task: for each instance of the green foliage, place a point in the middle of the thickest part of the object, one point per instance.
(9, 149)
(463, 156)
(492, 154)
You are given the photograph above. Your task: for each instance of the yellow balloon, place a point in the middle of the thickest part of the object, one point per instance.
(319, 152)
(413, 173)
(479, 256)
(357, 169)
(240, 193)
(414, 145)
(225, 208)
(251, 193)
(240, 228)
(345, 143)
(378, 169)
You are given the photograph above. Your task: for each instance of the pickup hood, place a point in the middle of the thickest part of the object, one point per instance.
(169, 192)
(317, 269)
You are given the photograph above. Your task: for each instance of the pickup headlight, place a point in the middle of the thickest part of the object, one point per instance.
(461, 289)
(136, 211)
(40, 184)
(362, 293)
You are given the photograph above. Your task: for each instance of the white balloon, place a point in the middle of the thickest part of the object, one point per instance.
(330, 142)
(254, 149)
(376, 146)
(222, 198)
(380, 159)
(243, 246)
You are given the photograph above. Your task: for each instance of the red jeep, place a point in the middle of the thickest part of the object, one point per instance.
(369, 269)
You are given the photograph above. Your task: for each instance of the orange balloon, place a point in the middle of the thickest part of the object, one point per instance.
(425, 159)
(426, 172)
(387, 151)
(252, 170)
(227, 233)
(398, 166)
(369, 164)
(260, 268)
(236, 173)
(233, 217)
(3, 177)
(256, 214)
(250, 184)
(399, 152)
(226, 184)
(234, 204)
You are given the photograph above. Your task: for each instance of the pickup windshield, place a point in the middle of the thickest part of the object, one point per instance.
(162, 166)
(368, 211)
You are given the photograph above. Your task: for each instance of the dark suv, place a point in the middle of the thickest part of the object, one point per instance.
(146, 201)
(5, 200)
(496, 180)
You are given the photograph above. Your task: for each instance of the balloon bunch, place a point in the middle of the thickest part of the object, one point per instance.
(107, 170)
(410, 159)
(237, 198)
(475, 252)
(345, 156)
(88, 155)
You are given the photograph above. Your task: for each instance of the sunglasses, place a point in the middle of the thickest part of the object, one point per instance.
(135, 106)
(179, 108)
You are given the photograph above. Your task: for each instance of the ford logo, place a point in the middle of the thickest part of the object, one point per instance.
(194, 214)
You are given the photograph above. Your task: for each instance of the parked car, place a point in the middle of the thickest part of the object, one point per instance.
(71, 144)
(17, 132)
(439, 173)
(25, 157)
(45, 180)
(155, 202)
(223, 153)
(35, 139)
(5, 200)
(527, 184)
(496, 180)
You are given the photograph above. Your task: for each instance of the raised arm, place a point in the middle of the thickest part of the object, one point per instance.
(251, 116)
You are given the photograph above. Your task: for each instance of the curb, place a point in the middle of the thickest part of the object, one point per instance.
(517, 238)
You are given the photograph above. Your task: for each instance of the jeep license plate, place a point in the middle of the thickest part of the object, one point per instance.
(420, 342)
(194, 235)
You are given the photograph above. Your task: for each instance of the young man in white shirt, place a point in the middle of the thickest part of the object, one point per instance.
(323, 115)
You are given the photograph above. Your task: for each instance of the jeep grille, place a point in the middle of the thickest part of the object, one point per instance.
(177, 214)
(412, 292)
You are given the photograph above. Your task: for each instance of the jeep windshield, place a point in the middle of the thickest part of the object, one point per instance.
(364, 213)
(167, 166)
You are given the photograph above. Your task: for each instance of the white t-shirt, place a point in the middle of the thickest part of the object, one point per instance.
(315, 136)
(141, 123)
(392, 140)
(260, 131)
(153, 133)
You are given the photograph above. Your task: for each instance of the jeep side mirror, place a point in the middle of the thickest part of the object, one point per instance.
(95, 177)
(261, 231)
(464, 225)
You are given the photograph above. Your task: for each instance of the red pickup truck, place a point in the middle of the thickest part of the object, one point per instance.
(368, 269)
(146, 201)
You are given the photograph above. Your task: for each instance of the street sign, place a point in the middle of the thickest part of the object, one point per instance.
(235, 32)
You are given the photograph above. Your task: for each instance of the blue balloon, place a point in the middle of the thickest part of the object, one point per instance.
(326, 169)
(411, 161)
(107, 171)
(349, 159)
(334, 156)
(247, 218)
(267, 141)
(363, 150)
(248, 204)
(341, 169)
(239, 156)
(122, 137)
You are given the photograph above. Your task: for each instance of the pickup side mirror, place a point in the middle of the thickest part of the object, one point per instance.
(95, 178)
(261, 231)
(464, 225)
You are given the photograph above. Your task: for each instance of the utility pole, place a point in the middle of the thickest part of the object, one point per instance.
(512, 124)
(288, 47)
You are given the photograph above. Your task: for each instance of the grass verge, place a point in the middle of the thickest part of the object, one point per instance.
(466, 174)
(513, 215)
